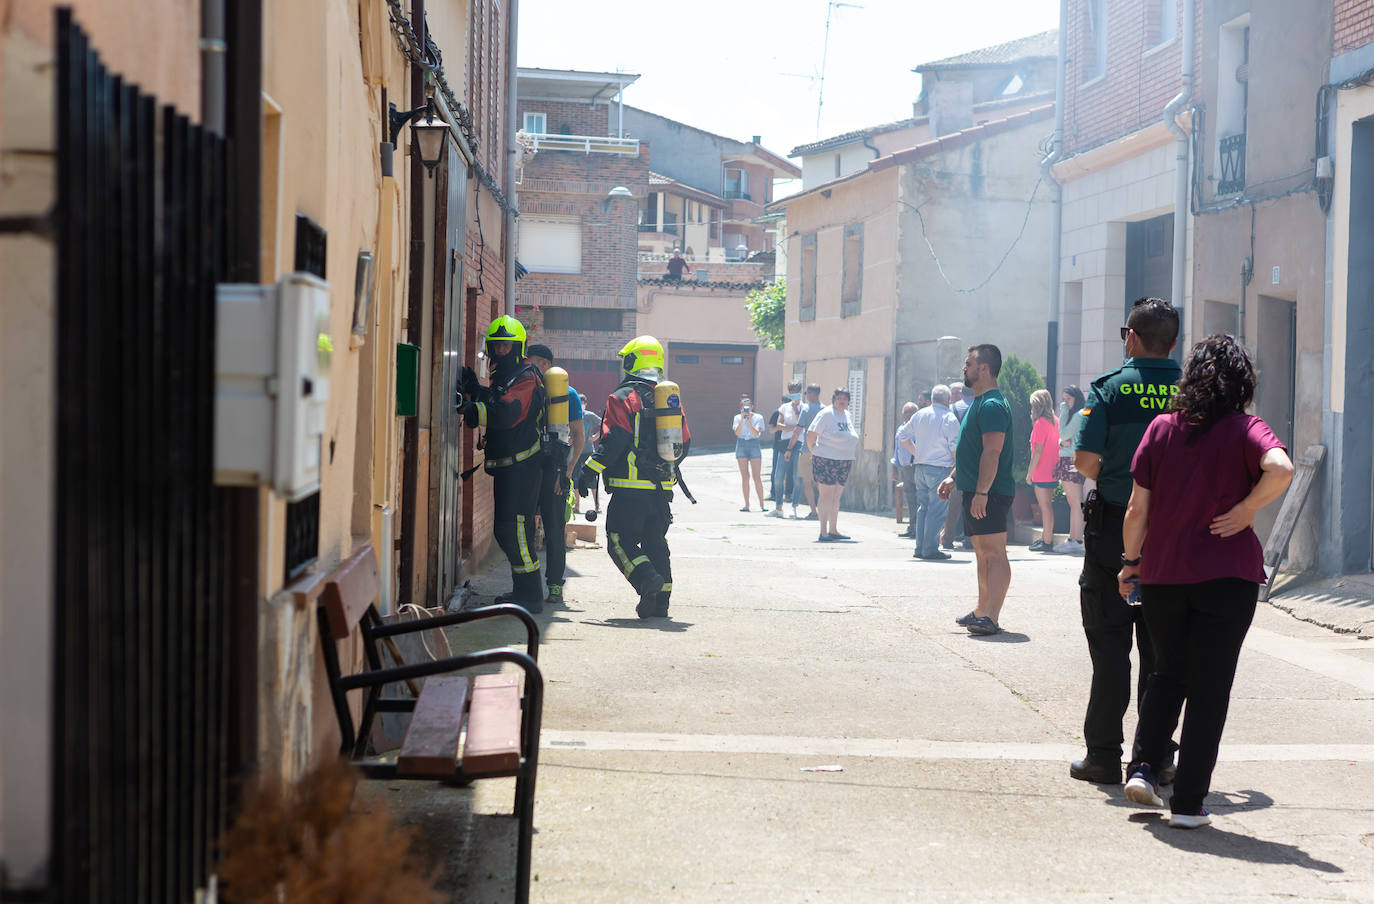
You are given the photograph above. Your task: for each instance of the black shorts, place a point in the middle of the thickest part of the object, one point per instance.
(994, 522)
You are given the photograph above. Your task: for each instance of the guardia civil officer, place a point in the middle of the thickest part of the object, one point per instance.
(639, 477)
(511, 410)
(1120, 405)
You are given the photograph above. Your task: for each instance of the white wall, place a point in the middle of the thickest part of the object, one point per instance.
(820, 167)
(1097, 207)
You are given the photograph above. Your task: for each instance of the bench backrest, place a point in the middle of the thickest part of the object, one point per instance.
(348, 591)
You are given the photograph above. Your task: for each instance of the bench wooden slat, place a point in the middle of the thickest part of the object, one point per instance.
(431, 742)
(349, 590)
(493, 743)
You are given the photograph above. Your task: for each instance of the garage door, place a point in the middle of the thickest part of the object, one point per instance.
(713, 377)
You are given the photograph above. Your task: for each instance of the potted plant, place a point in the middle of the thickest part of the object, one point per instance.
(1061, 510)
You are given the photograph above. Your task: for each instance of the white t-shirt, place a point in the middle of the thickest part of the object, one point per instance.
(788, 418)
(755, 421)
(835, 436)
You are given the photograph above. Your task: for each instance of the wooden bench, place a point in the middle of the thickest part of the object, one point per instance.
(462, 727)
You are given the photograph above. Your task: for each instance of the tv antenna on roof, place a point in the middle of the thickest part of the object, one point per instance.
(825, 51)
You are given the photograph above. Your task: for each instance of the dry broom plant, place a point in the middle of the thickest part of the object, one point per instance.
(302, 844)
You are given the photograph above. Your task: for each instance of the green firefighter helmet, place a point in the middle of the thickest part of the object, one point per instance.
(507, 329)
(642, 353)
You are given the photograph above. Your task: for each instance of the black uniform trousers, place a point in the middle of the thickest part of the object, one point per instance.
(1199, 629)
(1109, 623)
(553, 511)
(636, 533)
(515, 489)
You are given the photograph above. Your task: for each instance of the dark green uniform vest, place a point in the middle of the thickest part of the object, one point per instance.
(1120, 405)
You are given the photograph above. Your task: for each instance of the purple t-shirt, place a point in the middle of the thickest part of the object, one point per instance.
(1192, 483)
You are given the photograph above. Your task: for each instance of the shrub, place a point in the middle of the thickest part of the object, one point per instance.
(1017, 381)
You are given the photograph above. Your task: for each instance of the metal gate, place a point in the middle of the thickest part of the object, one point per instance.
(139, 716)
(446, 486)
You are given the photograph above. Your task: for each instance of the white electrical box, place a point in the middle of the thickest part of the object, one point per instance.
(272, 357)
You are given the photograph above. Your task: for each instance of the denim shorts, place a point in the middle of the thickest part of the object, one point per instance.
(748, 448)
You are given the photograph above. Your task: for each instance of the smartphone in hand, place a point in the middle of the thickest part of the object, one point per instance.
(1134, 598)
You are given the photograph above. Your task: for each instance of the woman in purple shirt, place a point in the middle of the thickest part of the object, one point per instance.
(1201, 473)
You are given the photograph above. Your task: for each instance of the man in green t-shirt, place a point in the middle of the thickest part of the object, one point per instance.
(982, 474)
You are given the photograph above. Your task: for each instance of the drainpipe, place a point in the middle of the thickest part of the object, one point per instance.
(212, 50)
(1057, 210)
(415, 313)
(1171, 111)
(508, 183)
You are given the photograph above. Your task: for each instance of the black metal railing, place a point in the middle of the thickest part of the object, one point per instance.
(1232, 165)
(734, 194)
(140, 628)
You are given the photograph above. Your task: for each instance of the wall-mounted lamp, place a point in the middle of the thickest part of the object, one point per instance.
(429, 135)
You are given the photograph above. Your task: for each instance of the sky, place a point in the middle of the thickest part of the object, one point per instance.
(751, 67)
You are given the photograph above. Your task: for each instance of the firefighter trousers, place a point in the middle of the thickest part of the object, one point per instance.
(553, 511)
(636, 534)
(515, 491)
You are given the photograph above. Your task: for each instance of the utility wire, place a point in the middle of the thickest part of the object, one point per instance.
(430, 59)
(1030, 205)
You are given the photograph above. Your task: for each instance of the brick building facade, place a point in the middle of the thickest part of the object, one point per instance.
(1353, 25)
(1120, 75)
(578, 213)
(1118, 173)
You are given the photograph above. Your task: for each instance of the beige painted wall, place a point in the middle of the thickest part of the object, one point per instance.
(324, 68)
(685, 315)
(869, 199)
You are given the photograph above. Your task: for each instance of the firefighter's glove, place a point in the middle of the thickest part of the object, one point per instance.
(468, 382)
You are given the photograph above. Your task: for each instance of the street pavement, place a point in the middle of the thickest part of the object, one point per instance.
(677, 756)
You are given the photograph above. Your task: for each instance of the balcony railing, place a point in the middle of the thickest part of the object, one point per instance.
(587, 144)
(1232, 165)
(734, 194)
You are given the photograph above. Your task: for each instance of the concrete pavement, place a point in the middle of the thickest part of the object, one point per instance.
(676, 754)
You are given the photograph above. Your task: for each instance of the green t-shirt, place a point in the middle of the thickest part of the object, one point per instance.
(988, 413)
(1120, 405)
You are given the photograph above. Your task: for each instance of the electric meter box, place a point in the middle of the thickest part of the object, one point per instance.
(272, 357)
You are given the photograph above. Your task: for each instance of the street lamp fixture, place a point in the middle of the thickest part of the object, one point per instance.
(429, 135)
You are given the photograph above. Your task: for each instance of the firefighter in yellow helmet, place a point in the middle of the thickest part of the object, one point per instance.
(639, 478)
(511, 410)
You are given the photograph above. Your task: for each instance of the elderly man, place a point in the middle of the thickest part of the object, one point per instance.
(954, 518)
(930, 438)
(905, 466)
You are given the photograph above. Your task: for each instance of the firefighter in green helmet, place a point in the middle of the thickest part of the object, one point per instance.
(511, 410)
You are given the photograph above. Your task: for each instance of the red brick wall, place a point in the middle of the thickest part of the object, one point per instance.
(485, 276)
(577, 185)
(1136, 86)
(486, 82)
(565, 118)
(1354, 24)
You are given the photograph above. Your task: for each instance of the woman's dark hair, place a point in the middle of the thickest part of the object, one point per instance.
(1218, 379)
(840, 391)
(1077, 404)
